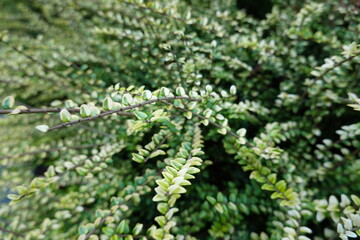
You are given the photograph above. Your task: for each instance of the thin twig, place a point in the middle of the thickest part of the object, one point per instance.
(50, 110)
(204, 118)
(169, 16)
(158, 146)
(51, 150)
(122, 109)
(12, 232)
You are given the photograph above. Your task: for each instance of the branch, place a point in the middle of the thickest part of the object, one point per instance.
(10, 81)
(134, 236)
(157, 147)
(178, 66)
(103, 219)
(164, 14)
(37, 110)
(204, 118)
(49, 110)
(50, 150)
(46, 68)
(12, 232)
(329, 70)
(339, 64)
(121, 109)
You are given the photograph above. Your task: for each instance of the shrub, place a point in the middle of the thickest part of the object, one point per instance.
(132, 119)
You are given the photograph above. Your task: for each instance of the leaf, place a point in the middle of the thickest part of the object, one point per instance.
(241, 132)
(42, 128)
(188, 115)
(13, 196)
(161, 220)
(138, 158)
(356, 199)
(164, 91)
(176, 189)
(222, 131)
(65, 116)
(140, 115)
(8, 102)
(146, 95)
(123, 227)
(162, 208)
(281, 186)
(85, 111)
(180, 91)
(157, 153)
(268, 187)
(108, 231)
(272, 178)
(108, 104)
(81, 171)
(211, 200)
(219, 208)
(137, 229)
(127, 99)
(233, 89)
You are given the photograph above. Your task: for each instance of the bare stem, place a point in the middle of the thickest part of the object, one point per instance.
(122, 109)
(51, 150)
(50, 110)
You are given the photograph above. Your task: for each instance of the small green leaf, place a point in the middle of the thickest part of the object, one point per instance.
(138, 158)
(108, 104)
(13, 196)
(281, 186)
(162, 207)
(272, 178)
(180, 91)
(233, 89)
(65, 116)
(164, 92)
(108, 231)
(268, 187)
(211, 200)
(188, 115)
(140, 115)
(146, 95)
(161, 220)
(127, 99)
(356, 199)
(85, 111)
(42, 128)
(157, 153)
(81, 171)
(8, 102)
(219, 208)
(123, 227)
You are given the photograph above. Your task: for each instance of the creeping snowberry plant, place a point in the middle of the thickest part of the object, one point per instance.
(136, 119)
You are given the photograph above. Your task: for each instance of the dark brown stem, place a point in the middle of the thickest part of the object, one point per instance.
(12, 232)
(168, 16)
(158, 146)
(178, 67)
(38, 110)
(50, 150)
(339, 64)
(50, 110)
(346, 158)
(121, 109)
(134, 236)
(203, 118)
(103, 219)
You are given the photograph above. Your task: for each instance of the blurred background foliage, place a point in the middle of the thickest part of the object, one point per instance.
(293, 64)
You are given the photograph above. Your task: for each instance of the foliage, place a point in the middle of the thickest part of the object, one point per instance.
(132, 119)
